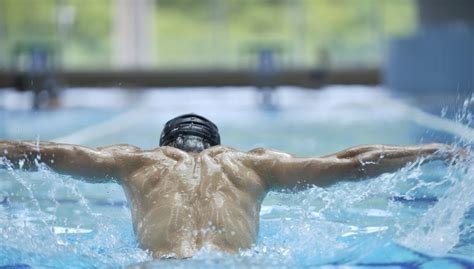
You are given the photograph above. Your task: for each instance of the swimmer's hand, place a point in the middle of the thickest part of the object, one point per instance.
(451, 155)
(17, 154)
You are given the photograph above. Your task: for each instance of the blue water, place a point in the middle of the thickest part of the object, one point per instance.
(419, 217)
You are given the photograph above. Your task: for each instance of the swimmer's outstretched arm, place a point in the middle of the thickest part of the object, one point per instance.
(92, 165)
(283, 171)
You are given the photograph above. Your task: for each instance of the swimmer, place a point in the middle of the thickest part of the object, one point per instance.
(192, 193)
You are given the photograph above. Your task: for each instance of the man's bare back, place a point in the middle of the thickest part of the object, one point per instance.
(183, 201)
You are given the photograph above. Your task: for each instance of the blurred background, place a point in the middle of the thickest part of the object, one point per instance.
(210, 34)
(423, 49)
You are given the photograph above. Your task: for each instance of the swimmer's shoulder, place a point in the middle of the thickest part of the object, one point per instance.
(120, 148)
(245, 156)
(220, 149)
(133, 152)
(261, 152)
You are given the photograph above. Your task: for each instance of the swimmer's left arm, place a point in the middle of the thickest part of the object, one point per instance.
(283, 171)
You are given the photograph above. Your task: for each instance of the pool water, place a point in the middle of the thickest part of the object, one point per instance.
(419, 217)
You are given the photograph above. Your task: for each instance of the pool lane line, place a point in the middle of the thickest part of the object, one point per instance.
(107, 127)
(428, 120)
(134, 116)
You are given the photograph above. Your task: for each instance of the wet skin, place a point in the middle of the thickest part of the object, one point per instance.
(182, 202)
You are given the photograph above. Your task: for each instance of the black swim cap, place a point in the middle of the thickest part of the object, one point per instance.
(190, 124)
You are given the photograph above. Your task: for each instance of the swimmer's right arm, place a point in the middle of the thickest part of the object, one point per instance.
(95, 166)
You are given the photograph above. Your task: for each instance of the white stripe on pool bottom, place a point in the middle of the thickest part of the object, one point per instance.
(135, 116)
(110, 126)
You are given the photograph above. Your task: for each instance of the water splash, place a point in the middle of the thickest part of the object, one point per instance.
(75, 232)
(350, 223)
(446, 227)
(438, 231)
(346, 223)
